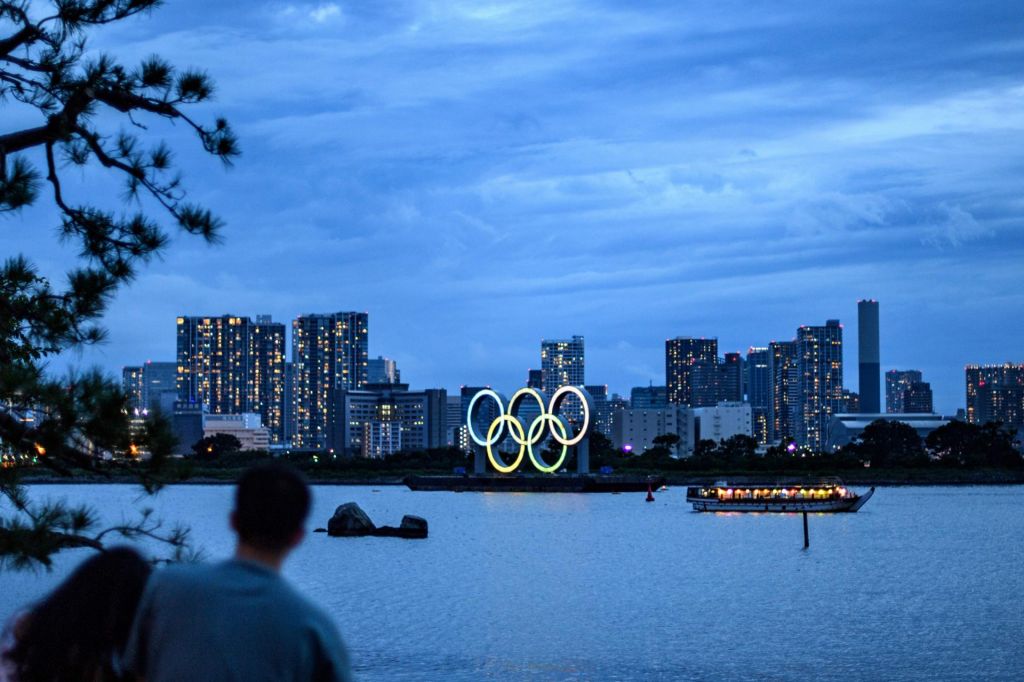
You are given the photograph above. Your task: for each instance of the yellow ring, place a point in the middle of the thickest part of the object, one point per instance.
(501, 419)
(537, 461)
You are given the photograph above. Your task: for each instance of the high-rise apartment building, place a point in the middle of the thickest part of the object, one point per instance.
(868, 357)
(134, 386)
(820, 378)
(730, 378)
(562, 364)
(759, 393)
(917, 398)
(784, 387)
(330, 353)
(231, 365)
(691, 371)
(897, 381)
(268, 348)
(995, 393)
(215, 363)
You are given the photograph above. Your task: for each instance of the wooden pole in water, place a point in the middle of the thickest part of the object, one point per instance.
(807, 539)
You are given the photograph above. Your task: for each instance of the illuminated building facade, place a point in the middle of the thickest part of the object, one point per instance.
(269, 375)
(230, 365)
(134, 387)
(602, 408)
(562, 364)
(691, 371)
(759, 393)
(820, 377)
(995, 393)
(782, 373)
(385, 419)
(330, 354)
(917, 398)
(215, 363)
(896, 383)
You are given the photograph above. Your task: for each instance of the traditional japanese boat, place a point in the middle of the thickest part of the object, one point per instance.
(829, 495)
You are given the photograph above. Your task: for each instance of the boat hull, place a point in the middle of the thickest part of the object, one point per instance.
(846, 504)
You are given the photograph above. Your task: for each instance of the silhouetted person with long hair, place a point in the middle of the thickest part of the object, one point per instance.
(239, 619)
(78, 631)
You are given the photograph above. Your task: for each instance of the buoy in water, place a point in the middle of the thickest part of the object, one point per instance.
(650, 493)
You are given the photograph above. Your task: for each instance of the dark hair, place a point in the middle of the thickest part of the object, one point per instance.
(75, 632)
(271, 504)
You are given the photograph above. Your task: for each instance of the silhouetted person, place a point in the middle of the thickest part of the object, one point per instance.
(240, 620)
(80, 629)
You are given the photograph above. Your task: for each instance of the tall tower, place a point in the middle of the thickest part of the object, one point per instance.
(759, 392)
(691, 371)
(215, 363)
(868, 357)
(268, 375)
(330, 353)
(820, 377)
(562, 364)
(784, 390)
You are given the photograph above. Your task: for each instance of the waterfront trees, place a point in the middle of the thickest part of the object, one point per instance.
(79, 108)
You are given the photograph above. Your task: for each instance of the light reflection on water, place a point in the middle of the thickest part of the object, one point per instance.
(923, 583)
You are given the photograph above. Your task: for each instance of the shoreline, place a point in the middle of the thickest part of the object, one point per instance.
(672, 479)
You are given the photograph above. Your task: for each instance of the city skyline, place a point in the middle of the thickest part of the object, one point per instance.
(671, 171)
(850, 369)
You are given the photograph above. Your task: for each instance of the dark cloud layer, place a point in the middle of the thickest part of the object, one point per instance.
(479, 176)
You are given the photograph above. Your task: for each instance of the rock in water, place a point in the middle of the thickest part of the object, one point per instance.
(414, 526)
(350, 520)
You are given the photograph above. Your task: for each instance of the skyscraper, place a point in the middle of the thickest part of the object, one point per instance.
(917, 398)
(268, 347)
(133, 385)
(229, 364)
(160, 385)
(759, 392)
(995, 393)
(562, 364)
(602, 408)
(730, 378)
(868, 356)
(820, 377)
(784, 387)
(897, 381)
(215, 363)
(330, 353)
(691, 371)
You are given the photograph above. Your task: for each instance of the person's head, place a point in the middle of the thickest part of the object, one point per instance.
(271, 505)
(74, 633)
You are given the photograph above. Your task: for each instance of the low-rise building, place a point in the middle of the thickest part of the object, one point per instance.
(844, 428)
(246, 427)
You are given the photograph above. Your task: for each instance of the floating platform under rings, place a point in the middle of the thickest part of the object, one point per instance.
(574, 483)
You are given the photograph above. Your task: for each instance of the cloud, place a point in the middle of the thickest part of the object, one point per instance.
(457, 167)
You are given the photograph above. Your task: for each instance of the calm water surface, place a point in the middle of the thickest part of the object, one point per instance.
(922, 584)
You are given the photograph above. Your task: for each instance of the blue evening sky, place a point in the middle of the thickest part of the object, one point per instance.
(479, 175)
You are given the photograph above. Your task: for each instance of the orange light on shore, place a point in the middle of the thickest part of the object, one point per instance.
(40, 449)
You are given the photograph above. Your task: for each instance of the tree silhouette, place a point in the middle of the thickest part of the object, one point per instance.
(80, 421)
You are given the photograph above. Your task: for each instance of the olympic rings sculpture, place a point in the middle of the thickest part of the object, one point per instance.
(507, 423)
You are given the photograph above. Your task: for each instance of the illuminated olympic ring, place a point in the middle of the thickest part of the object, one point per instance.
(526, 439)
